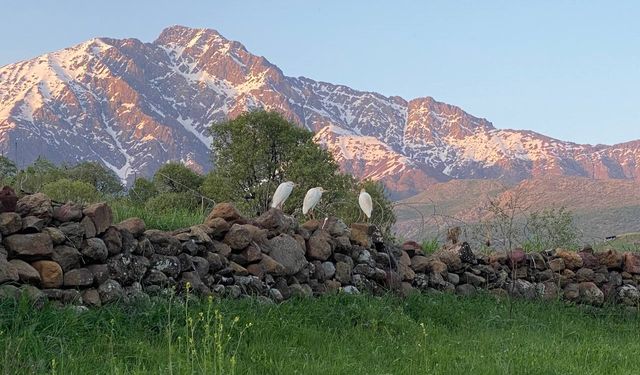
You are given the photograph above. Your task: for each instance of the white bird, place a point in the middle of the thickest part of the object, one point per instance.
(311, 199)
(282, 193)
(366, 204)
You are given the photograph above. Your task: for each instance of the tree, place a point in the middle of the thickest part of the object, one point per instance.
(142, 190)
(8, 170)
(175, 177)
(38, 174)
(103, 179)
(255, 152)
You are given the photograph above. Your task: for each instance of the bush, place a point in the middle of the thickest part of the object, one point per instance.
(103, 179)
(8, 170)
(141, 191)
(66, 190)
(175, 177)
(165, 203)
(550, 229)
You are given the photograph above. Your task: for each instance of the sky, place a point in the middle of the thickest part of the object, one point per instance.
(567, 69)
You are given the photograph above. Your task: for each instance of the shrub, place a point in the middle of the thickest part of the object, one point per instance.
(175, 177)
(66, 190)
(141, 191)
(165, 203)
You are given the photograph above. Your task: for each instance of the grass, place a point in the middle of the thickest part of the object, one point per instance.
(435, 334)
(624, 242)
(178, 218)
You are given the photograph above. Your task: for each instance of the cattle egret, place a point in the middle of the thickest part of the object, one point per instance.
(282, 193)
(311, 199)
(366, 204)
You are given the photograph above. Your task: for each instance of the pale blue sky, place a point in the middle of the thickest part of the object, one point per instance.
(568, 69)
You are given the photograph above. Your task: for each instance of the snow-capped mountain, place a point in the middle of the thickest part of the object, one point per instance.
(134, 106)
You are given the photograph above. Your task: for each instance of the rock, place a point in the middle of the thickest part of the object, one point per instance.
(113, 240)
(155, 277)
(8, 272)
(328, 269)
(585, 274)
(144, 248)
(571, 292)
(35, 296)
(271, 266)
(550, 291)
(319, 246)
(275, 295)
(67, 257)
(350, 289)
(8, 199)
(134, 225)
(589, 260)
(590, 294)
(95, 250)
(89, 227)
(100, 272)
(74, 233)
(343, 273)
(163, 242)
(516, 257)
(10, 223)
(412, 248)
(629, 295)
(169, 265)
(276, 221)
(110, 291)
(499, 257)
(217, 261)
(30, 245)
(26, 273)
(8, 291)
(571, 259)
(238, 269)
(286, 251)
(91, 297)
(64, 296)
(536, 260)
(50, 273)
(466, 290)
(38, 205)
(57, 237)
(453, 278)
(201, 266)
(218, 226)
(361, 234)
(466, 254)
(68, 212)
(336, 227)
(556, 264)
(225, 211)
(101, 216)
(474, 280)
(632, 263)
(524, 289)
(615, 278)
(419, 263)
(238, 237)
(79, 277)
(195, 283)
(252, 254)
(612, 259)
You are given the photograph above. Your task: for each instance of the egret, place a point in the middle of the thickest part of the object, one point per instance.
(282, 193)
(366, 204)
(311, 199)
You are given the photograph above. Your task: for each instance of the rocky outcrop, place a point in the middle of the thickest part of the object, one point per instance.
(275, 258)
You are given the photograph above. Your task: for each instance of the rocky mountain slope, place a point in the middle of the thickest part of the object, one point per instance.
(135, 105)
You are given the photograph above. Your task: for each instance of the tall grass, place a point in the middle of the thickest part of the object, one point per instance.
(435, 334)
(166, 220)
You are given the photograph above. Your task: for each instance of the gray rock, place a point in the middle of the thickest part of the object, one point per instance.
(74, 232)
(110, 291)
(67, 257)
(629, 295)
(286, 251)
(95, 250)
(343, 273)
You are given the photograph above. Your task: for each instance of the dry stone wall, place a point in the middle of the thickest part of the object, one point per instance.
(76, 255)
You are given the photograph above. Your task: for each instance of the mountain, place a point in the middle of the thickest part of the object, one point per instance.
(600, 207)
(134, 106)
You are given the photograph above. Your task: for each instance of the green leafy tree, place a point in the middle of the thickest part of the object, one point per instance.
(39, 173)
(175, 177)
(8, 170)
(66, 190)
(103, 179)
(255, 152)
(142, 190)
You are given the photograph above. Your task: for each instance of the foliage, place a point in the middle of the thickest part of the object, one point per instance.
(430, 246)
(141, 191)
(166, 203)
(175, 177)
(330, 335)
(103, 179)
(175, 218)
(550, 229)
(256, 151)
(65, 190)
(38, 174)
(8, 170)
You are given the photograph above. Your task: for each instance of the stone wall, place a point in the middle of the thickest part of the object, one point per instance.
(77, 255)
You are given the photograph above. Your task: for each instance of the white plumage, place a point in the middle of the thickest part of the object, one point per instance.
(311, 199)
(366, 204)
(282, 193)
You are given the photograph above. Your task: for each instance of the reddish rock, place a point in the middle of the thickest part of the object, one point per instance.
(589, 260)
(556, 264)
(134, 225)
(38, 205)
(238, 237)
(225, 211)
(361, 234)
(252, 254)
(631, 263)
(571, 259)
(238, 270)
(101, 215)
(516, 257)
(50, 273)
(218, 225)
(68, 212)
(412, 247)
(319, 245)
(8, 199)
(612, 259)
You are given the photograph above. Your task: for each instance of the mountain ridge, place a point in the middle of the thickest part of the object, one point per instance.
(133, 106)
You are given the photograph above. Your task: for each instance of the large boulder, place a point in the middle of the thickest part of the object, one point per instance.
(238, 237)
(10, 223)
(319, 245)
(51, 275)
(225, 211)
(101, 216)
(285, 250)
(30, 245)
(38, 205)
(68, 212)
(275, 220)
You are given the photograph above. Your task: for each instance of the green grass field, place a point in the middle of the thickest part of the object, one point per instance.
(434, 334)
